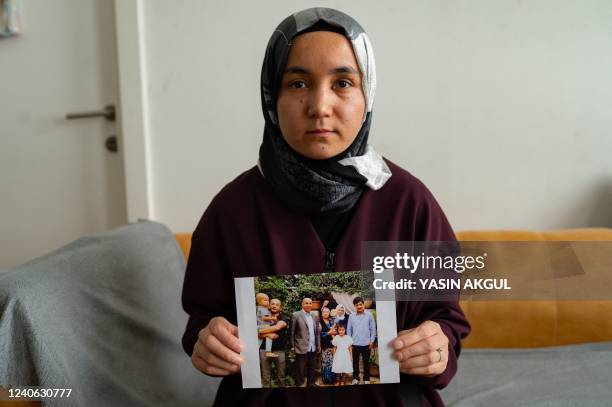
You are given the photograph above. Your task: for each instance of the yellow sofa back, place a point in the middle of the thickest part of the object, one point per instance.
(526, 324)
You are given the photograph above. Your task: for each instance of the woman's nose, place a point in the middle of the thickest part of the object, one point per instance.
(320, 102)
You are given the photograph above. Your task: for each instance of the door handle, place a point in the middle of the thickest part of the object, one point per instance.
(108, 113)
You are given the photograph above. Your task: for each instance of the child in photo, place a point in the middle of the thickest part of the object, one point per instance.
(265, 320)
(343, 355)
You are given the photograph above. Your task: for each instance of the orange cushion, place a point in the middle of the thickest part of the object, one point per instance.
(526, 324)
(184, 241)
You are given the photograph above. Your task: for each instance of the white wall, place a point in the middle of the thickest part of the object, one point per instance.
(503, 108)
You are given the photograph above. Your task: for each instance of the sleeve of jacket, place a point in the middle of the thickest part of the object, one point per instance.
(208, 288)
(293, 324)
(432, 225)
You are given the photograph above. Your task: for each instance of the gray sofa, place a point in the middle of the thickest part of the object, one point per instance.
(102, 316)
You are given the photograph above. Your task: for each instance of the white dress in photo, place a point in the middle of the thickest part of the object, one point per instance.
(342, 358)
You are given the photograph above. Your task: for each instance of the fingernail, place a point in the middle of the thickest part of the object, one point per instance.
(399, 356)
(398, 344)
(238, 361)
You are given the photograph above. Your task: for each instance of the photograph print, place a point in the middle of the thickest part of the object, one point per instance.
(314, 330)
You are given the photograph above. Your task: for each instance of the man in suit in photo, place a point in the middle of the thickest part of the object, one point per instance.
(305, 343)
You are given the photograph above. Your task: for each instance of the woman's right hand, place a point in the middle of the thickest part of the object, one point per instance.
(217, 350)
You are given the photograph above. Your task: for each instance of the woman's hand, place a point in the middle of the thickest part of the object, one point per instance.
(423, 350)
(217, 350)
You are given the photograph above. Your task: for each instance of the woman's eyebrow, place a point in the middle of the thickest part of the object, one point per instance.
(297, 69)
(341, 69)
(345, 69)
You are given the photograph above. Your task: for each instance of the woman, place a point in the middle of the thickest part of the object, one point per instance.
(341, 317)
(328, 330)
(318, 192)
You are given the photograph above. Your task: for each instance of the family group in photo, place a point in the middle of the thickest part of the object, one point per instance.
(339, 338)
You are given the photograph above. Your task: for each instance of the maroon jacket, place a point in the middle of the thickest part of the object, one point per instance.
(248, 231)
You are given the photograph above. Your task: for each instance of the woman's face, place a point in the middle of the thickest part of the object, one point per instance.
(321, 103)
(325, 313)
(340, 311)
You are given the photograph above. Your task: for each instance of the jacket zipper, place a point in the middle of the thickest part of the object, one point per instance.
(329, 260)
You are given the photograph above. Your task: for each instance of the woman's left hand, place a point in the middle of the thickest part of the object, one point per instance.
(422, 351)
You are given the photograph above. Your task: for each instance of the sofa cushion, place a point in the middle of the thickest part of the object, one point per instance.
(574, 375)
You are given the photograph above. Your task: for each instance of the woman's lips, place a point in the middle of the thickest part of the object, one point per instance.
(320, 132)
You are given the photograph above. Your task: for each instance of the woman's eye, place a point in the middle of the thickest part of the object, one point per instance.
(343, 84)
(297, 84)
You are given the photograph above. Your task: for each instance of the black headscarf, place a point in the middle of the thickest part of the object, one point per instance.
(331, 185)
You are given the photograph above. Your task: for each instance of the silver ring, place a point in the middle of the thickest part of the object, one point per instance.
(439, 350)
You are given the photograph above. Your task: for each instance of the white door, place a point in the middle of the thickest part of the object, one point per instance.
(58, 181)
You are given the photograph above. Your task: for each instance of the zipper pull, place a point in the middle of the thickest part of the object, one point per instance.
(329, 260)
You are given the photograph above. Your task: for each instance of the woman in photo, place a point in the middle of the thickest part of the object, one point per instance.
(328, 331)
(318, 191)
(341, 317)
